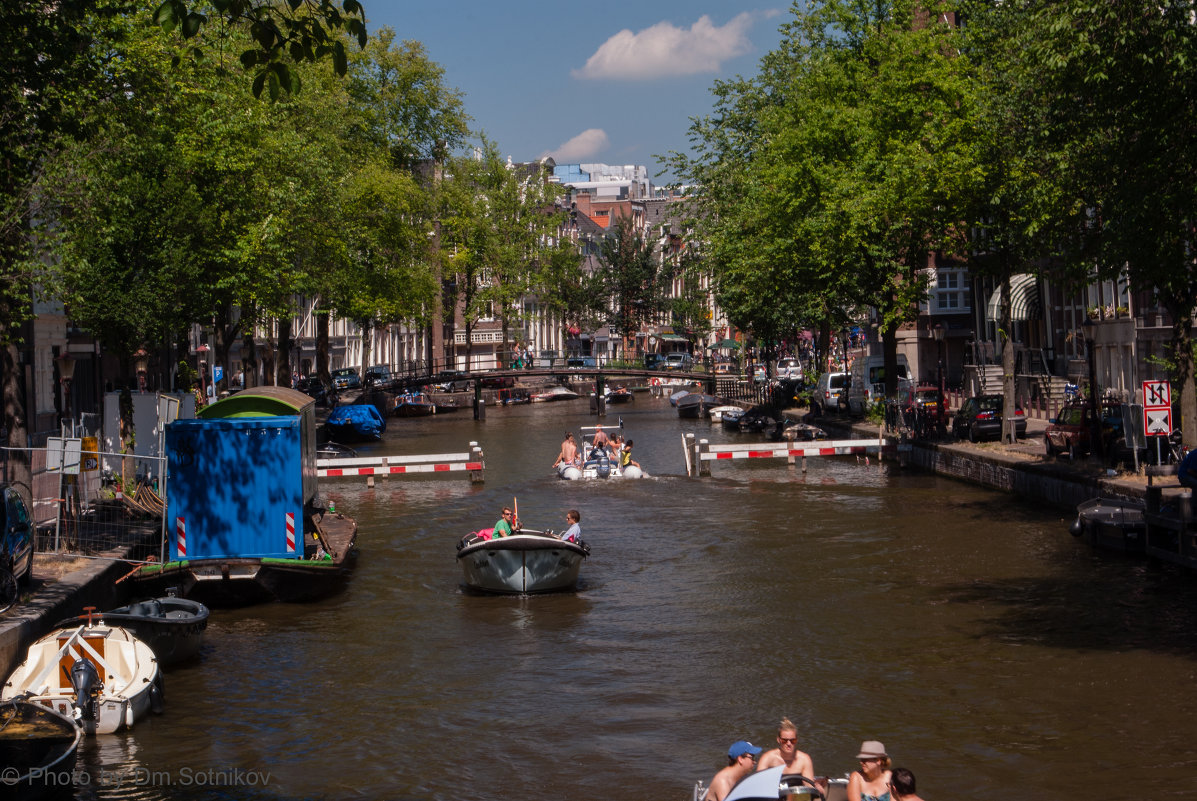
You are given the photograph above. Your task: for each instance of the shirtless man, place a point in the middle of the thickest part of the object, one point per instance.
(569, 451)
(600, 439)
(740, 758)
(787, 752)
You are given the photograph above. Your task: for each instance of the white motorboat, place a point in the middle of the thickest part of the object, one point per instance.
(718, 412)
(555, 394)
(526, 562)
(101, 675)
(596, 462)
(769, 785)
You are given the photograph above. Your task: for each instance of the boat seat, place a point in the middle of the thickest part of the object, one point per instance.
(146, 609)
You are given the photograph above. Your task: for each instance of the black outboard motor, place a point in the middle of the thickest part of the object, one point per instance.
(87, 685)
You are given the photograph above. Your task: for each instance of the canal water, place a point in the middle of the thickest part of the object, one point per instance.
(991, 652)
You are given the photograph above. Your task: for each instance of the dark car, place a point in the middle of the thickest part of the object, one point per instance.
(17, 553)
(497, 382)
(451, 380)
(346, 378)
(980, 418)
(315, 389)
(1069, 432)
(378, 375)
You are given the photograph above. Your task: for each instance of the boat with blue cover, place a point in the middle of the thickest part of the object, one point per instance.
(355, 422)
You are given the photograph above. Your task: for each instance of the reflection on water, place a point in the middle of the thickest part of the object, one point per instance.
(989, 650)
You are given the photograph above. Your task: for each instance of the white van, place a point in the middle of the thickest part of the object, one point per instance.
(867, 383)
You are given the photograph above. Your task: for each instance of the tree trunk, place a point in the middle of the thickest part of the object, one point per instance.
(283, 373)
(17, 469)
(1182, 354)
(1009, 431)
(367, 327)
(322, 346)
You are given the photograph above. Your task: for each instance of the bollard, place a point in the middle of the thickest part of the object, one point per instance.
(370, 481)
(704, 467)
(476, 453)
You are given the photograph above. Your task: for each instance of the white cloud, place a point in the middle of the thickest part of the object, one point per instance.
(664, 50)
(585, 145)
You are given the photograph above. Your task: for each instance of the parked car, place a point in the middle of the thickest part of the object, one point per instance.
(451, 381)
(826, 397)
(315, 389)
(677, 361)
(498, 382)
(346, 378)
(726, 368)
(1069, 431)
(789, 367)
(924, 396)
(980, 417)
(760, 374)
(581, 363)
(378, 375)
(17, 553)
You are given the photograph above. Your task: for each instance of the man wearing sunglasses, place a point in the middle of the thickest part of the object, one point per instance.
(507, 525)
(787, 753)
(741, 758)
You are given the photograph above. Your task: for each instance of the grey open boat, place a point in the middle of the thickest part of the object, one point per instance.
(172, 627)
(524, 563)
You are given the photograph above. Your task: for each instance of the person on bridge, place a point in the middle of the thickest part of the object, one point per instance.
(569, 451)
(741, 758)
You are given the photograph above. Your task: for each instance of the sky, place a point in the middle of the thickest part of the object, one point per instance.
(614, 82)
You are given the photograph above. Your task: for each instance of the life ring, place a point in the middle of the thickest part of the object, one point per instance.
(656, 382)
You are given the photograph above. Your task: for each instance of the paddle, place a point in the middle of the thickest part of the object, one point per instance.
(515, 514)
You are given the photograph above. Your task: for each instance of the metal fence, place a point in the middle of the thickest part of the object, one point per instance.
(82, 509)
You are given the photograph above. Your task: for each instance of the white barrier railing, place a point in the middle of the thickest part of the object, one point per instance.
(705, 453)
(471, 462)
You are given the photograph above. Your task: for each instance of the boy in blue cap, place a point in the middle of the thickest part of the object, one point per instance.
(741, 759)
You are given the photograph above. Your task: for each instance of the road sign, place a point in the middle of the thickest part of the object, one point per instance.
(1157, 395)
(1157, 422)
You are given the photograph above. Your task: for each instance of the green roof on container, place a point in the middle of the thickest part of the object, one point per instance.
(258, 402)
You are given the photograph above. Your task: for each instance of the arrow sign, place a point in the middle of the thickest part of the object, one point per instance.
(1157, 394)
(1157, 422)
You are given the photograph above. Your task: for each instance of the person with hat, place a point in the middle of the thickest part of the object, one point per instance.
(787, 753)
(741, 758)
(871, 782)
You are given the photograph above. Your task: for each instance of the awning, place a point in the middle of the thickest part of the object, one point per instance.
(673, 338)
(1024, 300)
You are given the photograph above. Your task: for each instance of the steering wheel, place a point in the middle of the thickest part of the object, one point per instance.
(798, 780)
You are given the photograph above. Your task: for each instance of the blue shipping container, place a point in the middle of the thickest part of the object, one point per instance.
(236, 485)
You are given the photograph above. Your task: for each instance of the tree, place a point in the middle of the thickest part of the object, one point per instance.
(636, 279)
(1109, 90)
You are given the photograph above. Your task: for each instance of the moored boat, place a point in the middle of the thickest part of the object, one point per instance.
(524, 563)
(245, 525)
(172, 627)
(38, 747)
(696, 405)
(414, 404)
(101, 675)
(1114, 524)
(355, 422)
(716, 414)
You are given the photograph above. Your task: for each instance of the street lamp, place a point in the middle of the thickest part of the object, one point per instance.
(938, 331)
(66, 372)
(1094, 411)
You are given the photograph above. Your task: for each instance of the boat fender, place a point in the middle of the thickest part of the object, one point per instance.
(157, 696)
(85, 681)
(656, 382)
(1077, 528)
(128, 715)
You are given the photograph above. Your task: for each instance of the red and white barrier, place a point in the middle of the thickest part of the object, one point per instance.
(705, 453)
(471, 462)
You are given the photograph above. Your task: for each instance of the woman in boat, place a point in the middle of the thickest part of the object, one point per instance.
(625, 456)
(871, 782)
(574, 532)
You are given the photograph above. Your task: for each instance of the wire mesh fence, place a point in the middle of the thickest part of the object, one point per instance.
(90, 503)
